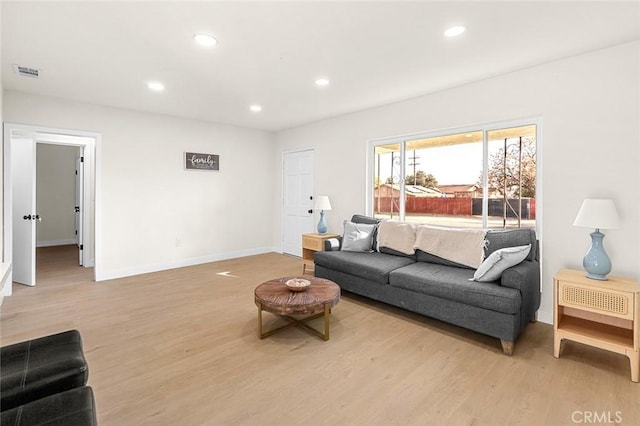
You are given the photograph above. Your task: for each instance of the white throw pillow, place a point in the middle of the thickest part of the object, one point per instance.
(494, 265)
(357, 236)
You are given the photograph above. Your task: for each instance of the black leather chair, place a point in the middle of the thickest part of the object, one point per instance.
(38, 368)
(73, 407)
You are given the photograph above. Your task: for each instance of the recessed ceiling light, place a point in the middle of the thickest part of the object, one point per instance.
(156, 86)
(455, 31)
(322, 82)
(206, 40)
(255, 108)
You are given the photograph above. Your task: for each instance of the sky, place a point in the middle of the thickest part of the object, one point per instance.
(456, 164)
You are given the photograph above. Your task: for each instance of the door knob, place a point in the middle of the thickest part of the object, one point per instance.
(37, 217)
(309, 211)
(27, 217)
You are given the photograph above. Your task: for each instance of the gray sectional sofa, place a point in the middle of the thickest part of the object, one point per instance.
(441, 289)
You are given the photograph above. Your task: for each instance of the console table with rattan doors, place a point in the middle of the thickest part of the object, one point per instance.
(604, 314)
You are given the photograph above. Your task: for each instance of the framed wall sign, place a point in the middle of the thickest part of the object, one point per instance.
(198, 161)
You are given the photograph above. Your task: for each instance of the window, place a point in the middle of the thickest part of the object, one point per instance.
(484, 177)
(387, 181)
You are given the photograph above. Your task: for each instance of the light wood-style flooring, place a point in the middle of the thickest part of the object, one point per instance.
(180, 347)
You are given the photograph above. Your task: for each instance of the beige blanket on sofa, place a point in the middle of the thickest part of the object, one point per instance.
(399, 236)
(464, 246)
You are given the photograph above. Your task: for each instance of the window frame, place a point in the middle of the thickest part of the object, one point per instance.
(485, 128)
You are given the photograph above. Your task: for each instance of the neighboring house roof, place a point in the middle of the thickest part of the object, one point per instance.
(416, 190)
(422, 191)
(453, 189)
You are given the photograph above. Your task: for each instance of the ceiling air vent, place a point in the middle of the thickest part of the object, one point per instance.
(26, 71)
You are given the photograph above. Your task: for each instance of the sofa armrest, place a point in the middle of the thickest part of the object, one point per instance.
(333, 244)
(524, 274)
(525, 277)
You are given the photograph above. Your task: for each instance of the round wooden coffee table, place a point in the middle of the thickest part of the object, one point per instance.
(318, 299)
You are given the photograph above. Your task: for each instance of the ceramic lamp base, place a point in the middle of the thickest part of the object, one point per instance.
(322, 225)
(596, 262)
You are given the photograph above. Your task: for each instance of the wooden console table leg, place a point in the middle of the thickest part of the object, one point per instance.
(634, 360)
(557, 345)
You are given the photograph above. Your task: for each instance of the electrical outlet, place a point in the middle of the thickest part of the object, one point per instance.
(178, 242)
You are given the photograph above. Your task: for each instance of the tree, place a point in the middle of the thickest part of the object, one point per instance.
(422, 179)
(507, 169)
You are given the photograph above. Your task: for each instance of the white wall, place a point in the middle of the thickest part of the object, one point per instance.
(4, 268)
(590, 148)
(55, 194)
(147, 200)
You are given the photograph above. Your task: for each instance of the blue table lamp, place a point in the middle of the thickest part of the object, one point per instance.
(598, 214)
(322, 204)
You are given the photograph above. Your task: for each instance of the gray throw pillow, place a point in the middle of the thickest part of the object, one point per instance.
(494, 265)
(357, 236)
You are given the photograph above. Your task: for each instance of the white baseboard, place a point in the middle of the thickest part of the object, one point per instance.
(52, 243)
(145, 269)
(546, 317)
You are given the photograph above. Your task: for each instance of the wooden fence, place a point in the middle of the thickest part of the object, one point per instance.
(455, 206)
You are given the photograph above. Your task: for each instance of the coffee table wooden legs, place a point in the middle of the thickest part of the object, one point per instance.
(293, 322)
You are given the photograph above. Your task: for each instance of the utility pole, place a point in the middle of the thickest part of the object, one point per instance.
(414, 163)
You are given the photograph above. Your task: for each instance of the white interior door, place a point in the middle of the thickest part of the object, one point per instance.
(25, 218)
(298, 200)
(79, 207)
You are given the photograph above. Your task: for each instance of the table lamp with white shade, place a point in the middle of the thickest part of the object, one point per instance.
(598, 214)
(322, 204)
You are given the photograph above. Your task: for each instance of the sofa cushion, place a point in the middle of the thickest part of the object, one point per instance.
(358, 218)
(357, 236)
(498, 238)
(453, 284)
(371, 266)
(494, 265)
(387, 250)
(422, 256)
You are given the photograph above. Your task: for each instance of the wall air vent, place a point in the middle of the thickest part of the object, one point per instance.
(26, 71)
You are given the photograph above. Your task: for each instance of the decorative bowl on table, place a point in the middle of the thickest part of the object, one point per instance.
(297, 284)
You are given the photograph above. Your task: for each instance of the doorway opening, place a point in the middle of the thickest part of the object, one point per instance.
(59, 190)
(66, 206)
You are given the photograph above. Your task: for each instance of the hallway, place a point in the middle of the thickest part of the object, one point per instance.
(56, 267)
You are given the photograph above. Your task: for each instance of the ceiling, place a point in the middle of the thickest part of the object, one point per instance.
(270, 53)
